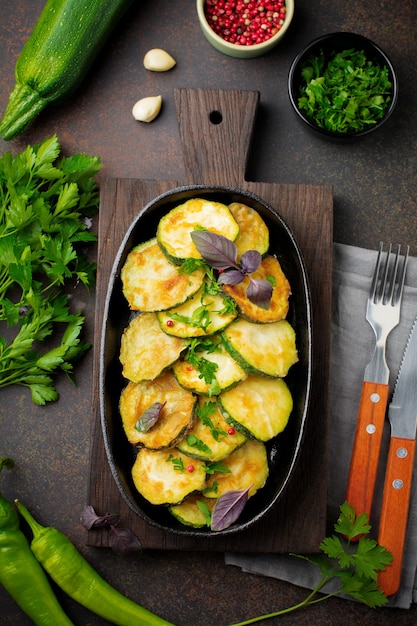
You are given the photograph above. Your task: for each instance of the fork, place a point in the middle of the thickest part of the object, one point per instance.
(383, 314)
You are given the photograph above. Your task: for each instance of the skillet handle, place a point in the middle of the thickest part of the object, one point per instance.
(216, 128)
(366, 447)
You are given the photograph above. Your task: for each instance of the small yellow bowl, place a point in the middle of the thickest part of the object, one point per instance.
(238, 50)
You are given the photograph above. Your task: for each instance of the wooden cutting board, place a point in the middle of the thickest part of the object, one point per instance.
(216, 128)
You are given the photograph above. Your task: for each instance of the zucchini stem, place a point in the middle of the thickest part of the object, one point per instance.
(23, 106)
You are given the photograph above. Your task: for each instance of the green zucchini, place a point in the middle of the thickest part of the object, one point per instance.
(145, 350)
(151, 283)
(175, 420)
(175, 228)
(262, 349)
(167, 476)
(269, 269)
(248, 468)
(57, 56)
(194, 511)
(258, 407)
(204, 313)
(227, 373)
(253, 232)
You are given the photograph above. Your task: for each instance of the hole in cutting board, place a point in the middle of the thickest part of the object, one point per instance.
(216, 117)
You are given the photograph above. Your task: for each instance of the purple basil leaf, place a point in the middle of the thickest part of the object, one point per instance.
(90, 519)
(216, 250)
(250, 261)
(231, 277)
(260, 293)
(149, 417)
(228, 508)
(110, 519)
(123, 541)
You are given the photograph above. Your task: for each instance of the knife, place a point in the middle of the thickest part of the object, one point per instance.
(402, 414)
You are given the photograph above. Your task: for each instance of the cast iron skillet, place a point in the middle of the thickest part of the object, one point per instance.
(283, 450)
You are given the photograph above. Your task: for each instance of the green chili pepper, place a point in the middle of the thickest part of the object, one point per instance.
(21, 574)
(68, 568)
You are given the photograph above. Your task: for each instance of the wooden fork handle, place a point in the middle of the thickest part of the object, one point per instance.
(394, 510)
(366, 446)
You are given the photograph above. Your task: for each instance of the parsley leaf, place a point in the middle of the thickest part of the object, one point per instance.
(46, 205)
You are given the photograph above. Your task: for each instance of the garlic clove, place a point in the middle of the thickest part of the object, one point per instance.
(157, 60)
(147, 109)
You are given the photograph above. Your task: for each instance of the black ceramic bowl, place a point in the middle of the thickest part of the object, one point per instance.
(283, 451)
(328, 45)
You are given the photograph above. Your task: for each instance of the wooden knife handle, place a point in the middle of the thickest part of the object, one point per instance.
(366, 447)
(394, 510)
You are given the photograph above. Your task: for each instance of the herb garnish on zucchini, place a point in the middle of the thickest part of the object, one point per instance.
(211, 438)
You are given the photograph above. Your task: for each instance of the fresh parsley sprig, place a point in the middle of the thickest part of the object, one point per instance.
(355, 565)
(46, 205)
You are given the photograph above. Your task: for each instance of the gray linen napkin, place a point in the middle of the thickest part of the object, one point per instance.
(351, 349)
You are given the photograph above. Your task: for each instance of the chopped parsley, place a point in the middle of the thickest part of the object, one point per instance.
(344, 92)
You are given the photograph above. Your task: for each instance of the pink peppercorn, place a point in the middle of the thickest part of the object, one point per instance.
(170, 323)
(231, 430)
(245, 22)
(190, 468)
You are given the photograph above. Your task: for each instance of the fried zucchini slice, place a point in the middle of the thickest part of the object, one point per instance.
(227, 373)
(203, 314)
(267, 349)
(167, 476)
(151, 283)
(145, 350)
(175, 228)
(259, 407)
(175, 419)
(253, 232)
(210, 439)
(278, 307)
(248, 466)
(191, 512)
